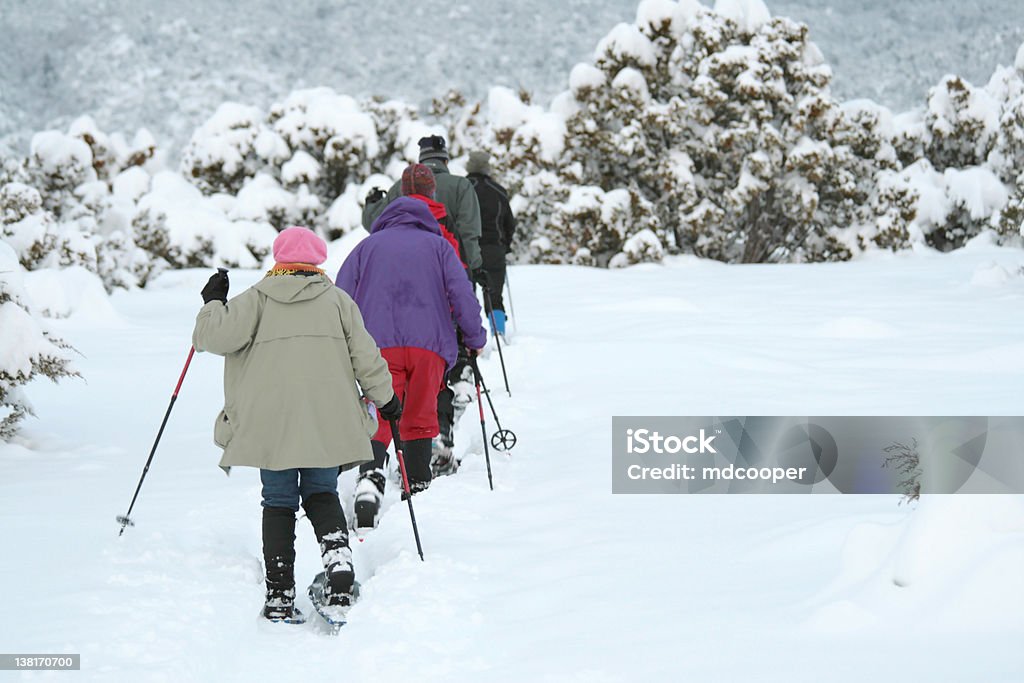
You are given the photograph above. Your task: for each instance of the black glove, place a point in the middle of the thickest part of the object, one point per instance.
(216, 288)
(375, 195)
(392, 410)
(481, 278)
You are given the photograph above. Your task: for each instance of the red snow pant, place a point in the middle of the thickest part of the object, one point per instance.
(416, 376)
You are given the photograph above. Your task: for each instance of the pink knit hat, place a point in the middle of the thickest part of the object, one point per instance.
(299, 245)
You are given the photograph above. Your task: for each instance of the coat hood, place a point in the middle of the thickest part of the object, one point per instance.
(408, 213)
(291, 288)
(437, 209)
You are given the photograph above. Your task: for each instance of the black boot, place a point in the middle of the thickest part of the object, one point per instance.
(370, 488)
(369, 491)
(328, 520)
(446, 416)
(417, 463)
(279, 558)
(442, 446)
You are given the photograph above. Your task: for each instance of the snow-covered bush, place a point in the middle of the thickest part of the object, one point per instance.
(725, 121)
(964, 153)
(85, 198)
(961, 122)
(1009, 222)
(24, 225)
(184, 229)
(720, 124)
(692, 130)
(70, 201)
(27, 350)
(1006, 87)
(57, 164)
(953, 206)
(332, 133)
(289, 165)
(592, 226)
(38, 239)
(722, 121)
(231, 146)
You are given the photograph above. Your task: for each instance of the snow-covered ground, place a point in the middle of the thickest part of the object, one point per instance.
(550, 577)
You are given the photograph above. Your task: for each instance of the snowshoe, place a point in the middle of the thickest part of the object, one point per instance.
(463, 395)
(280, 608)
(333, 607)
(442, 460)
(414, 488)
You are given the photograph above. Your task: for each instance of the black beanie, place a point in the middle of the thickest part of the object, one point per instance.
(433, 147)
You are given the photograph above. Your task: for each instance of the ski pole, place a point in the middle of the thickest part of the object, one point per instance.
(511, 307)
(405, 484)
(483, 425)
(125, 520)
(497, 338)
(503, 439)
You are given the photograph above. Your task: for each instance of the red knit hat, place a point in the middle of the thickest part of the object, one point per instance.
(418, 179)
(299, 245)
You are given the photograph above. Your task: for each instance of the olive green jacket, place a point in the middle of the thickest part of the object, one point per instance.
(460, 201)
(294, 347)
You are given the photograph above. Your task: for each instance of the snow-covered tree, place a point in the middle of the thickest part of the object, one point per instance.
(692, 130)
(230, 147)
(1009, 222)
(27, 350)
(36, 237)
(290, 165)
(953, 206)
(92, 199)
(725, 121)
(722, 123)
(180, 227)
(962, 122)
(962, 154)
(592, 227)
(68, 203)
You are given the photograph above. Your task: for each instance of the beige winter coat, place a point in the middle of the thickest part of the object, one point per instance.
(294, 347)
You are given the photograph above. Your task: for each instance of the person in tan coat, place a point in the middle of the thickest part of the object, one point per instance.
(294, 348)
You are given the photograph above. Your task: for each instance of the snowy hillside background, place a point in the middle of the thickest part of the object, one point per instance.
(154, 64)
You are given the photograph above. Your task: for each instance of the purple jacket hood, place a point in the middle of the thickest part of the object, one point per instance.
(406, 212)
(409, 284)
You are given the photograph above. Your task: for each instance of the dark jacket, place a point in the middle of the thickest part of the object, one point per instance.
(459, 199)
(497, 224)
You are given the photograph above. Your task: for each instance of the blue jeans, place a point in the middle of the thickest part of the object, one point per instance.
(283, 488)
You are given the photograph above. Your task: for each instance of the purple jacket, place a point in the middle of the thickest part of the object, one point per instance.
(409, 284)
